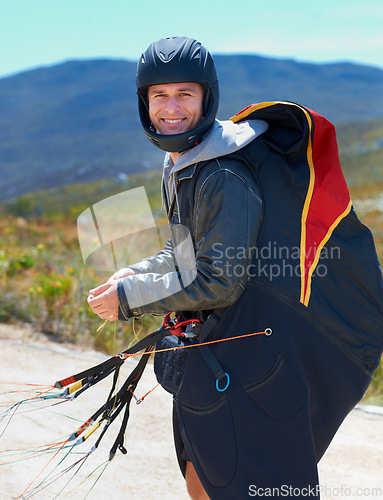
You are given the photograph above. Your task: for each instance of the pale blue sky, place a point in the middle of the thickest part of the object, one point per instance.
(40, 32)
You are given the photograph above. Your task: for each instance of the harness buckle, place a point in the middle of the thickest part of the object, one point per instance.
(179, 328)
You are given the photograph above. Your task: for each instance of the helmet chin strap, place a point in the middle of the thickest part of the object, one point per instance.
(144, 99)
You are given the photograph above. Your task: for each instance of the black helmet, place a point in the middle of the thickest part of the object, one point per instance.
(175, 60)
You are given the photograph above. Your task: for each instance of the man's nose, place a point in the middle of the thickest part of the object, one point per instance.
(172, 105)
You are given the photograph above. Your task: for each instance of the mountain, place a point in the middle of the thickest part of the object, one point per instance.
(361, 156)
(78, 121)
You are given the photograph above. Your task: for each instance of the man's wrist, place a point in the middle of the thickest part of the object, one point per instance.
(124, 311)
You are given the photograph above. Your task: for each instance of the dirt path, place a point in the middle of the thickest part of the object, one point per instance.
(352, 467)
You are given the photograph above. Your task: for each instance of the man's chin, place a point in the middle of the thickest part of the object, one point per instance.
(172, 129)
(171, 132)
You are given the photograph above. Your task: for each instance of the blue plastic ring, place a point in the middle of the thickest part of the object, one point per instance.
(226, 386)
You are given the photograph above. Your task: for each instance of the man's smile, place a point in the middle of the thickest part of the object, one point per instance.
(173, 120)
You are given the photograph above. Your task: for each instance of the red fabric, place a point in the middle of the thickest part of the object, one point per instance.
(330, 196)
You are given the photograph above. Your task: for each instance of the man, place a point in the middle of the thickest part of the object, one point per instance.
(254, 413)
(175, 109)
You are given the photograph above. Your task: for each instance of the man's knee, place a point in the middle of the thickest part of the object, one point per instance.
(194, 486)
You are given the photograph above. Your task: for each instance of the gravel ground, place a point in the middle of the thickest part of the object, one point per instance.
(351, 468)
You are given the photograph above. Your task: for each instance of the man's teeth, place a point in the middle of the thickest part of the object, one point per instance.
(173, 121)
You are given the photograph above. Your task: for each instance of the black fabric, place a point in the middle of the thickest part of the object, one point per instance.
(182, 456)
(288, 394)
(290, 391)
(347, 290)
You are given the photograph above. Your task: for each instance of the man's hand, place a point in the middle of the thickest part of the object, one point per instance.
(104, 300)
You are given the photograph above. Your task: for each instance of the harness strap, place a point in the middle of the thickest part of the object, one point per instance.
(211, 360)
(204, 329)
(212, 363)
(114, 361)
(133, 380)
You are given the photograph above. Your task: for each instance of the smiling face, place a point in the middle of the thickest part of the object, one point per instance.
(175, 108)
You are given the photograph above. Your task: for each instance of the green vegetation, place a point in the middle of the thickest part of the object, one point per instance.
(43, 279)
(71, 200)
(361, 152)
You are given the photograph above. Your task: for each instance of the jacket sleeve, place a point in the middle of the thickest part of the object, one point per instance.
(227, 218)
(161, 263)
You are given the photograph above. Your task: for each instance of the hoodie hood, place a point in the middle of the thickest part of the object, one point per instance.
(224, 138)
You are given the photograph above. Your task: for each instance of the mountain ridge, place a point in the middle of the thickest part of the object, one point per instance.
(78, 120)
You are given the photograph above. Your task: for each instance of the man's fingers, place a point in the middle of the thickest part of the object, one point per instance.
(100, 289)
(105, 315)
(104, 302)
